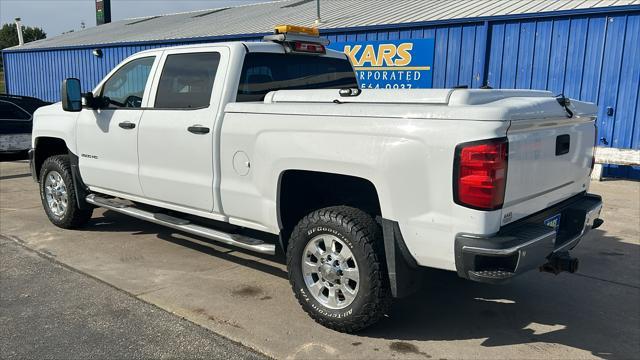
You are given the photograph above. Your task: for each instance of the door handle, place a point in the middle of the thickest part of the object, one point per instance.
(127, 125)
(197, 129)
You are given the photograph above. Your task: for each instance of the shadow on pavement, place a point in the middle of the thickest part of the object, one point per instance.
(592, 312)
(14, 156)
(16, 176)
(581, 311)
(115, 222)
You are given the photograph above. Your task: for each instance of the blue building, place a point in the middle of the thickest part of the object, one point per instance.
(584, 49)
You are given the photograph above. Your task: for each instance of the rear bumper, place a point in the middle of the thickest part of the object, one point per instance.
(526, 244)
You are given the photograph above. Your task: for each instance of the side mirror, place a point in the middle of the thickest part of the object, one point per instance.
(71, 95)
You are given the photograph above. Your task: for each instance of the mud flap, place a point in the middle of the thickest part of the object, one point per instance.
(405, 276)
(79, 186)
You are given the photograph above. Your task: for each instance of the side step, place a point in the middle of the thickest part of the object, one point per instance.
(240, 241)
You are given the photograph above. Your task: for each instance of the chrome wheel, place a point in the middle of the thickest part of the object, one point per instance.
(330, 271)
(55, 192)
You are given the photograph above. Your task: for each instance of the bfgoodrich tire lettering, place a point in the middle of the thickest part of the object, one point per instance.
(360, 233)
(72, 216)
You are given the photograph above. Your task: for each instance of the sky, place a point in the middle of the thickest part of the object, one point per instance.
(58, 16)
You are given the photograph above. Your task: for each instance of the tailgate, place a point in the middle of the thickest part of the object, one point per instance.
(549, 161)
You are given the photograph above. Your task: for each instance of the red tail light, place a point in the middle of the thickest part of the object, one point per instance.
(480, 174)
(307, 47)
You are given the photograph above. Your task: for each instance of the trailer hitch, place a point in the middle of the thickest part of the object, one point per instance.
(560, 262)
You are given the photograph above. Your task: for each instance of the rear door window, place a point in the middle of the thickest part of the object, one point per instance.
(264, 72)
(187, 81)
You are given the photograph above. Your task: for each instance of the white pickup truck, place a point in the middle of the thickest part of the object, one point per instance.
(266, 145)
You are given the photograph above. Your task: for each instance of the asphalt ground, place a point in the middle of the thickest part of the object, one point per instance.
(48, 311)
(594, 313)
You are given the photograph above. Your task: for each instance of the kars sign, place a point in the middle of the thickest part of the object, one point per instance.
(391, 64)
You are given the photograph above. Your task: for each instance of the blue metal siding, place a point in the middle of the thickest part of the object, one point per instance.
(511, 44)
(593, 59)
(479, 55)
(592, 56)
(575, 57)
(610, 77)
(453, 56)
(526, 46)
(558, 56)
(440, 57)
(541, 53)
(494, 74)
(467, 47)
(628, 87)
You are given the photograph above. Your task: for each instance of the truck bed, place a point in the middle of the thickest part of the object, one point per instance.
(405, 141)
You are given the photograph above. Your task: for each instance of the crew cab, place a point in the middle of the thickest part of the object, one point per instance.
(267, 145)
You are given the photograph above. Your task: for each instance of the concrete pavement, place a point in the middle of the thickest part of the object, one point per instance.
(594, 313)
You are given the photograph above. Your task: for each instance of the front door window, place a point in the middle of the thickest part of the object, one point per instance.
(126, 86)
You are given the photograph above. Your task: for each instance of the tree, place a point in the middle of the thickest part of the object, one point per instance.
(9, 36)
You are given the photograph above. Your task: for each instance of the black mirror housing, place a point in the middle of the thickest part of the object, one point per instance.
(90, 101)
(95, 102)
(71, 95)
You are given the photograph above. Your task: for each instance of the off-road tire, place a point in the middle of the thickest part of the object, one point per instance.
(364, 238)
(73, 217)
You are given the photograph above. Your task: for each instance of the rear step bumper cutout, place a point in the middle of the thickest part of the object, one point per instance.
(529, 244)
(239, 241)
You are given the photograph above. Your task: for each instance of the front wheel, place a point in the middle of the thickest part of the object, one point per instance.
(58, 194)
(336, 268)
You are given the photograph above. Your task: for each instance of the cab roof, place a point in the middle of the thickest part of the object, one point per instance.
(251, 46)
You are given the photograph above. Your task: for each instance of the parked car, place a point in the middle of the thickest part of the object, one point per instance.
(16, 118)
(265, 144)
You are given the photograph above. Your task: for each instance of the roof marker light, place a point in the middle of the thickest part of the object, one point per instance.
(299, 39)
(284, 29)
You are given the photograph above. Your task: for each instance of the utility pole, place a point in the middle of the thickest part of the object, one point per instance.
(318, 20)
(19, 29)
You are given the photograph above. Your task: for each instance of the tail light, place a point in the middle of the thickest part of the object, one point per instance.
(593, 153)
(480, 174)
(309, 47)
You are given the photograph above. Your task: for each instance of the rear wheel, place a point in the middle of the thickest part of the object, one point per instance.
(336, 268)
(58, 194)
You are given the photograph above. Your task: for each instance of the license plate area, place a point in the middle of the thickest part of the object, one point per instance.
(553, 222)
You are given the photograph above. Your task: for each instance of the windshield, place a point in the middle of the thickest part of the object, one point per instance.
(264, 72)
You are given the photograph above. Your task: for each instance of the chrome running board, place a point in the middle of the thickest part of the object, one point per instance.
(240, 241)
